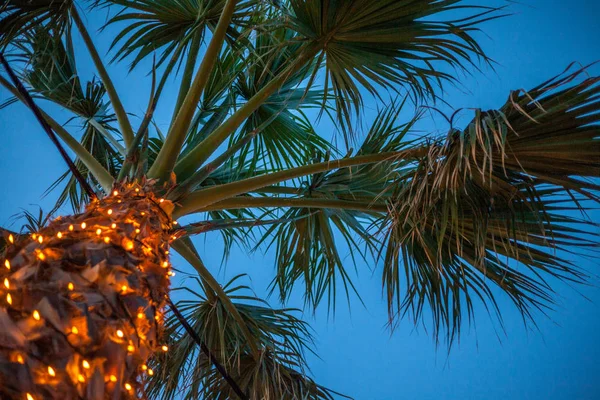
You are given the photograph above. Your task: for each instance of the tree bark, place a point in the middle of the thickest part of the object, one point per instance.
(82, 300)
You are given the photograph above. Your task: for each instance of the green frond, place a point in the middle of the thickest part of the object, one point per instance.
(18, 17)
(490, 207)
(388, 44)
(160, 25)
(279, 373)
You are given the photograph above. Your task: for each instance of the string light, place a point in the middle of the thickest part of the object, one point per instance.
(11, 238)
(150, 372)
(81, 378)
(20, 359)
(143, 213)
(113, 225)
(128, 387)
(71, 227)
(165, 348)
(137, 230)
(116, 193)
(85, 364)
(74, 330)
(161, 200)
(98, 231)
(9, 298)
(165, 264)
(175, 223)
(106, 240)
(112, 378)
(144, 367)
(7, 264)
(137, 190)
(140, 315)
(109, 212)
(128, 244)
(70, 286)
(120, 333)
(124, 288)
(30, 397)
(40, 239)
(6, 283)
(36, 315)
(51, 371)
(166, 251)
(59, 235)
(41, 256)
(83, 225)
(33, 236)
(130, 348)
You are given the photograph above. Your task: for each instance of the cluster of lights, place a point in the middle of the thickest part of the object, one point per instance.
(120, 232)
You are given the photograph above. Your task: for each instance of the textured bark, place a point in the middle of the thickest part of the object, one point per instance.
(81, 301)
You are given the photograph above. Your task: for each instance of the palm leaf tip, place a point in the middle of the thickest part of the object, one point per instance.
(491, 206)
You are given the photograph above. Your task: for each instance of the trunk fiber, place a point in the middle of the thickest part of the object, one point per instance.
(81, 301)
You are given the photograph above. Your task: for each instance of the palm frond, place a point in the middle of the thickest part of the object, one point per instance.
(18, 17)
(388, 44)
(159, 25)
(490, 206)
(278, 374)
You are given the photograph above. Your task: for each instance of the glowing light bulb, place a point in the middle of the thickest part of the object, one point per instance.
(40, 239)
(33, 236)
(166, 251)
(98, 231)
(116, 193)
(128, 387)
(70, 286)
(129, 245)
(165, 348)
(130, 348)
(7, 264)
(41, 256)
(144, 367)
(109, 212)
(51, 371)
(30, 397)
(36, 315)
(83, 225)
(165, 264)
(9, 298)
(137, 230)
(150, 372)
(137, 190)
(112, 378)
(120, 333)
(6, 283)
(143, 213)
(59, 235)
(175, 222)
(11, 238)
(74, 330)
(81, 378)
(113, 225)
(124, 288)
(140, 315)
(161, 200)
(71, 227)
(85, 364)
(107, 240)
(20, 359)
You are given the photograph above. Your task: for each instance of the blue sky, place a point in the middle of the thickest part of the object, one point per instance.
(358, 356)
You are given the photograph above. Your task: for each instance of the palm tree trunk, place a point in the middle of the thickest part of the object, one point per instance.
(82, 301)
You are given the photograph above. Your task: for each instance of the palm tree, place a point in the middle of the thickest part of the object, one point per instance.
(451, 220)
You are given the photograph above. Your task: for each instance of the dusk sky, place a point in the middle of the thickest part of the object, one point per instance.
(358, 354)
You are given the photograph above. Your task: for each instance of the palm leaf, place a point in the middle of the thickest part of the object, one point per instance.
(387, 44)
(490, 207)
